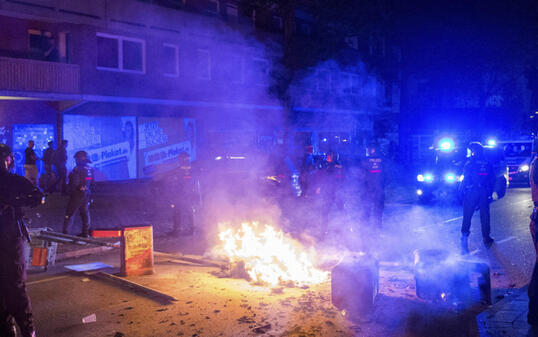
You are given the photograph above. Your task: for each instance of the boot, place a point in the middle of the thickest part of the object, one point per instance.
(464, 245)
(488, 241)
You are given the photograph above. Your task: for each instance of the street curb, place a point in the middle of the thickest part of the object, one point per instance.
(490, 325)
(81, 252)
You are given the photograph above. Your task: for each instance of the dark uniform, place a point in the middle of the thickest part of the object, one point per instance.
(478, 183)
(80, 183)
(16, 192)
(532, 316)
(59, 160)
(182, 187)
(374, 189)
(327, 181)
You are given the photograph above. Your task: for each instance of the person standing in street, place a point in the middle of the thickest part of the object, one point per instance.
(374, 188)
(80, 183)
(47, 181)
(182, 187)
(47, 157)
(532, 315)
(477, 187)
(16, 193)
(59, 160)
(30, 163)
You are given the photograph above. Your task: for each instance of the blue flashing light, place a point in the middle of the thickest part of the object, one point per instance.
(450, 178)
(446, 144)
(492, 142)
(428, 178)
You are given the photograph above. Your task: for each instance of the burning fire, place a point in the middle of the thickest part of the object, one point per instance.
(269, 256)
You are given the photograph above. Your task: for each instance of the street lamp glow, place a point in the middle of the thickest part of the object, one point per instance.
(419, 192)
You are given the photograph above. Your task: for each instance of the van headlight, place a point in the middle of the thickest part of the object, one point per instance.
(524, 168)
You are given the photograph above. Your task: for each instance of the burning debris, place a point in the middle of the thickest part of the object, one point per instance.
(265, 255)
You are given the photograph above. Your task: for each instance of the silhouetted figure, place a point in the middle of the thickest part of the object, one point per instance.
(16, 192)
(327, 179)
(478, 183)
(80, 183)
(373, 196)
(182, 187)
(30, 163)
(51, 54)
(59, 160)
(47, 181)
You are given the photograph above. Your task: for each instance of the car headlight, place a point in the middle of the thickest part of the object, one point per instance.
(450, 178)
(524, 168)
(460, 178)
(420, 178)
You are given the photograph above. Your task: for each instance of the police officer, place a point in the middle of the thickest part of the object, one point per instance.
(374, 188)
(15, 192)
(184, 194)
(532, 316)
(477, 185)
(80, 183)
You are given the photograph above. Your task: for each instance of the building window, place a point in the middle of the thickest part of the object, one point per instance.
(232, 11)
(229, 69)
(324, 80)
(213, 6)
(203, 64)
(170, 60)
(257, 71)
(38, 40)
(352, 42)
(118, 53)
(345, 83)
(355, 85)
(277, 22)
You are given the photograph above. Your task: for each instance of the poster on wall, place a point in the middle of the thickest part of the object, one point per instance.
(41, 134)
(109, 141)
(161, 141)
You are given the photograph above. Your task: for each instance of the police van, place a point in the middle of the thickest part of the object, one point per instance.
(439, 177)
(518, 156)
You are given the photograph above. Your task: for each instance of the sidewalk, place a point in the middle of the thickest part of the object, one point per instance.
(508, 317)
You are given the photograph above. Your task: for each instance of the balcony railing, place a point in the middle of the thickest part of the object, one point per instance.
(39, 76)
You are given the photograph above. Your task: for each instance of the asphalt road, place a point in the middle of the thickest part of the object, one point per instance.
(211, 306)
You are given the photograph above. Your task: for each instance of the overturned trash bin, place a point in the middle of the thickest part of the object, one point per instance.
(355, 285)
(441, 276)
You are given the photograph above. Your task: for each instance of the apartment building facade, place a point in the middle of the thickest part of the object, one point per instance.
(137, 82)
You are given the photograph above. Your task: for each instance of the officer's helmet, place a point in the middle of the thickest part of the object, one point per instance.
(81, 158)
(5, 152)
(477, 150)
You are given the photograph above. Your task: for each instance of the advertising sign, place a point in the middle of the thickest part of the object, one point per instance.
(161, 141)
(137, 251)
(109, 141)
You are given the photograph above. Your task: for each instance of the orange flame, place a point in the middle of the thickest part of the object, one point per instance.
(270, 257)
